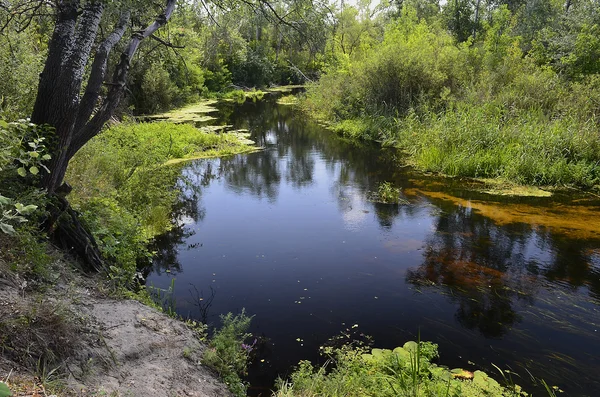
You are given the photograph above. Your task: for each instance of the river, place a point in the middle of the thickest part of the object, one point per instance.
(289, 234)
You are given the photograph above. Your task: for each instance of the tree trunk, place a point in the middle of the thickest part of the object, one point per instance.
(59, 103)
(476, 19)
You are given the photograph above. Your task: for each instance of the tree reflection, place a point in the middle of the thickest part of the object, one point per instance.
(187, 210)
(488, 268)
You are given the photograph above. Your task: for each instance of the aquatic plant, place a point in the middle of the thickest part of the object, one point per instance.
(288, 100)
(387, 194)
(407, 370)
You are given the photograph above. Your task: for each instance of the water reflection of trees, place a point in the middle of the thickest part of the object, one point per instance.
(486, 268)
(489, 269)
(187, 210)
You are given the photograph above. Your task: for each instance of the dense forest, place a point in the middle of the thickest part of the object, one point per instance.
(488, 89)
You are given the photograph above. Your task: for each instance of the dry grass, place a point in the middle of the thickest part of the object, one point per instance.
(38, 334)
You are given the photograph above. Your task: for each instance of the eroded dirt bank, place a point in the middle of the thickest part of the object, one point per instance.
(112, 347)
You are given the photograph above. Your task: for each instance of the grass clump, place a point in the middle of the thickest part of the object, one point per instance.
(38, 334)
(227, 354)
(404, 371)
(387, 194)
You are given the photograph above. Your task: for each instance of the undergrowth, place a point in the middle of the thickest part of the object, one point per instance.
(227, 354)
(407, 371)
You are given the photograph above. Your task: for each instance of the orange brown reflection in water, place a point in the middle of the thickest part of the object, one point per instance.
(576, 221)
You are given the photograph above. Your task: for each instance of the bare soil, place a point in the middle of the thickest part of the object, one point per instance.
(121, 347)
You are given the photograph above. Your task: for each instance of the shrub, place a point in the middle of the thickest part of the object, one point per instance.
(227, 353)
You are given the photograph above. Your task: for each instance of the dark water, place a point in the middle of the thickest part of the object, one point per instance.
(288, 234)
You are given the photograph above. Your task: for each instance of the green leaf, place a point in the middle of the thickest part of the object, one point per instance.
(22, 171)
(25, 209)
(6, 228)
(3, 124)
(34, 170)
(34, 155)
(46, 157)
(4, 200)
(4, 390)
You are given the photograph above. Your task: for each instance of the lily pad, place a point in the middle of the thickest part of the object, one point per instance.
(411, 346)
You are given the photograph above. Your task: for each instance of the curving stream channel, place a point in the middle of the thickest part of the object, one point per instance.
(288, 233)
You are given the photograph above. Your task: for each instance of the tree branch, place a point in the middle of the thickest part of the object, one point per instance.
(166, 43)
(115, 93)
(98, 73)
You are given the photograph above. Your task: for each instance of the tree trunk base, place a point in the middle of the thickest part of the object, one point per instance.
(66, 230)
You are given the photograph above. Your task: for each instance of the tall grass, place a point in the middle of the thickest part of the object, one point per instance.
(483, 110)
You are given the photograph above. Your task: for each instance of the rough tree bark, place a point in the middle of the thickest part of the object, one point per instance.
(58, 102)
(74, 117)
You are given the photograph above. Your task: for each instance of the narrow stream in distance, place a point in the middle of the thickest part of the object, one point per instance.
(288, 233)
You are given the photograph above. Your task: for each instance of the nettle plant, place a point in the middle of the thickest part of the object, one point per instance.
(22, 149)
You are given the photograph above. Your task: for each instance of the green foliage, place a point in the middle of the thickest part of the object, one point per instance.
(9, 215)
(415, 64)
(22, 155)
(226, 353)
(481, 109)
(22, 54)
(404, 371)
(387, 194)
(125, 192)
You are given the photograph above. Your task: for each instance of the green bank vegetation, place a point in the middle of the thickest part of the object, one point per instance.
(501, 101)
(227, 352)
(404, 371)
(125, 191)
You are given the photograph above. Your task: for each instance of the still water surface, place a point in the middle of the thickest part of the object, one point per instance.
(288, 233)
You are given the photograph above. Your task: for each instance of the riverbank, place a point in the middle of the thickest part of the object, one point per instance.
(68, 333)
(67, 336)
(486, 110)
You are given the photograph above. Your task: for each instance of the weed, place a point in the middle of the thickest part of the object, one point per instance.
(404, 371)
(226, 353)
(387, 194)
(38, 335)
